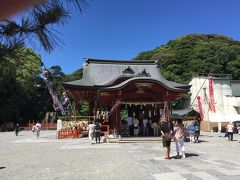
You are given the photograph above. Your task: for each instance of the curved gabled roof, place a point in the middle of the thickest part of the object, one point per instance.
(112, 73)
(143, 79)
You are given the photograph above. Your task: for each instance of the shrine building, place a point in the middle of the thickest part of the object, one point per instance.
(136, 87)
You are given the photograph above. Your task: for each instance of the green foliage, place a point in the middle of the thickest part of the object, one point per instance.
(23, 94)
(55, 77)
(74, 76)
(184, 57)
(83, 108)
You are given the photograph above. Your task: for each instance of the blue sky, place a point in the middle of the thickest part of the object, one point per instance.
(120, 29)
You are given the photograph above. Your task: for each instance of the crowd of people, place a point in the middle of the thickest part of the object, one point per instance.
(147, 126)
(169, 131)
(142, 126)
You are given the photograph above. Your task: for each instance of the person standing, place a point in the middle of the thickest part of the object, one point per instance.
(130, 125)
(145, 126)
(38, 129)
(230, 130)
(197, 132)
(166, 133)
(17, 129)
(179, 135)
(97, 131)
(33, 129)
(191, 128)
(91, 132)
(155, 126)
(136, 126)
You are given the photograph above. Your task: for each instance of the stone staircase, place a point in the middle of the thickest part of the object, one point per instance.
(124, 132)
(122, 136)
(153, 139)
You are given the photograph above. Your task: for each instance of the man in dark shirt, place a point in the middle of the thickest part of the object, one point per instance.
(166, 133)
(97, 131)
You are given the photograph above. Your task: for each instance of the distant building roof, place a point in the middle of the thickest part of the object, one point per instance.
(183, 113)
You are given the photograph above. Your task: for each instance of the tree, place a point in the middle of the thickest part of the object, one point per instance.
(76, 75)
(181, 59)
(22, 91)
(36, 24)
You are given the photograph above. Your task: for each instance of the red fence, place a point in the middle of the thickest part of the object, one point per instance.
(104, 129)
(62, 134)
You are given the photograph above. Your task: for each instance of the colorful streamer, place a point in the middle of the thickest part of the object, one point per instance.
(211, 95)
(200, 108)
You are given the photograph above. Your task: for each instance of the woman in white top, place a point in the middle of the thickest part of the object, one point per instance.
(91, 132)
(180, 133)
(136, 126)
(230, 129)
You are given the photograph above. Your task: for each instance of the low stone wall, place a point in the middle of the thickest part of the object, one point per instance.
(208, 126)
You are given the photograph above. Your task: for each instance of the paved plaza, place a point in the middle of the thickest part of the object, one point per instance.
(25, 157)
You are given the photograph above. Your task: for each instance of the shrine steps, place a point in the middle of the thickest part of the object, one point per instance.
(140, 139)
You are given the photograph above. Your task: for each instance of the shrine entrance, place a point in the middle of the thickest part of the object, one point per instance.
(116, 89)
(147, 114)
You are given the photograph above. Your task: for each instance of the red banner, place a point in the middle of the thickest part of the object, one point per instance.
(211, 95)
(200, 108)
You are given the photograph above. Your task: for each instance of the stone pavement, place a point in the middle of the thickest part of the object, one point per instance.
(25, 157)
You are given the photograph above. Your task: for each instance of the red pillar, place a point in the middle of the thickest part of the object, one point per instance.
(118, 118)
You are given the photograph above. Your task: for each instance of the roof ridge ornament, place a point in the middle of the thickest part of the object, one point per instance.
(144, 73)
(128, 70)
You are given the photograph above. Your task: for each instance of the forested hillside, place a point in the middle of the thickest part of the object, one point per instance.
(189, 55)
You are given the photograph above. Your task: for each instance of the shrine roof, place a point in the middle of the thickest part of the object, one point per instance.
(147, 79)
(113, 73)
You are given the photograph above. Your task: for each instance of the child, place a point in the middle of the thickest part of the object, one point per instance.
(37, 129)
(180, 132)
(33, 129)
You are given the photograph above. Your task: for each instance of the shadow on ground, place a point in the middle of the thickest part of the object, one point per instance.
(187, 156)
(201, 141)
(206, 136)
(191, 154)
